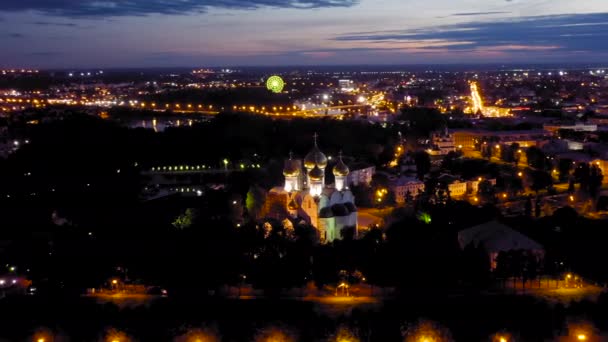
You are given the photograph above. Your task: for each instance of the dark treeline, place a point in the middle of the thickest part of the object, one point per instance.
(82, 161)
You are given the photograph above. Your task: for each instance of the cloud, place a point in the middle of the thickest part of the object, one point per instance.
(578, 32)
(478, 13)
(47, 23)
(113, 8)
(16, 35)
(44, 54)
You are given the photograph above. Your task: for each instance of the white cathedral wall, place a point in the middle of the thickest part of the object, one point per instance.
(291, 184)
(316, 189)
(336, 198)
(327, 228)
(348, 197)
(341, 223)
(310, 207)
(340, 183)
(324, 202)
(352, 219)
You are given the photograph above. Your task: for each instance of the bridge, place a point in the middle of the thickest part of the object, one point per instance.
(197, 169)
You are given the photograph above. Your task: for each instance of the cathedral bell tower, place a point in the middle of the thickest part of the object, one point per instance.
(341, 172)
(315, 163)
(291, 171)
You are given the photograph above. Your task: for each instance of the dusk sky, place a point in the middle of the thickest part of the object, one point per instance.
(149, 33)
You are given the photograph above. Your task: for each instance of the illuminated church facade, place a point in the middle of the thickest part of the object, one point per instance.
(330, 208)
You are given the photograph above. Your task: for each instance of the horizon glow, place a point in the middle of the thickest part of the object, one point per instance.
(106, 34)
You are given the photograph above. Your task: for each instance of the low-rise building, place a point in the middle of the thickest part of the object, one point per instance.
(578, 127)
(404, 186)
(468, 139)
(494, 237)
(361, 174)
(442, 144)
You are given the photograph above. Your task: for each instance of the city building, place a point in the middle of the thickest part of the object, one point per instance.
(467, 139)
(404, 187)
(442, 143)
(346, 85)
(458, 188)
(361, 175)
(305, 196)
(578, 127)
(494, 237)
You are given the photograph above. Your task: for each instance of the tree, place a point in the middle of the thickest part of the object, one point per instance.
(449, 160)
(236, 210)
(536, 158)
(423, 120)
(486, 192)
(528, 207)
(540, 180)
(595, 180)
(185, 220)
(423, 164)
(307, 234)
(582, 174)
(364, 195)
(502, 266)
(256, 196)
(348, 233)
(513, 185)
(476, 264)
(564, 166)
(486, 150)
(509, 153)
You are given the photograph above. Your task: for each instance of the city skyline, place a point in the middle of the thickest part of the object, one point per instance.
(61, 34)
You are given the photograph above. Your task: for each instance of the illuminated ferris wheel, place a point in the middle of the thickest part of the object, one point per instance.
(275, 84)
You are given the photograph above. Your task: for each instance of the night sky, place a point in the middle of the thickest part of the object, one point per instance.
(167, 33)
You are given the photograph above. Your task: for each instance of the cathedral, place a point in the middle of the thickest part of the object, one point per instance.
(330, 208)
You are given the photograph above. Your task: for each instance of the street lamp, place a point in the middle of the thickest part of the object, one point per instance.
(243, 278)
(114, 284)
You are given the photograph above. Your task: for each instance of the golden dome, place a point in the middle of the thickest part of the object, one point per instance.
(341, 170)
(316, 174)
(293, 205)
(291, 169)
(315, 158)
